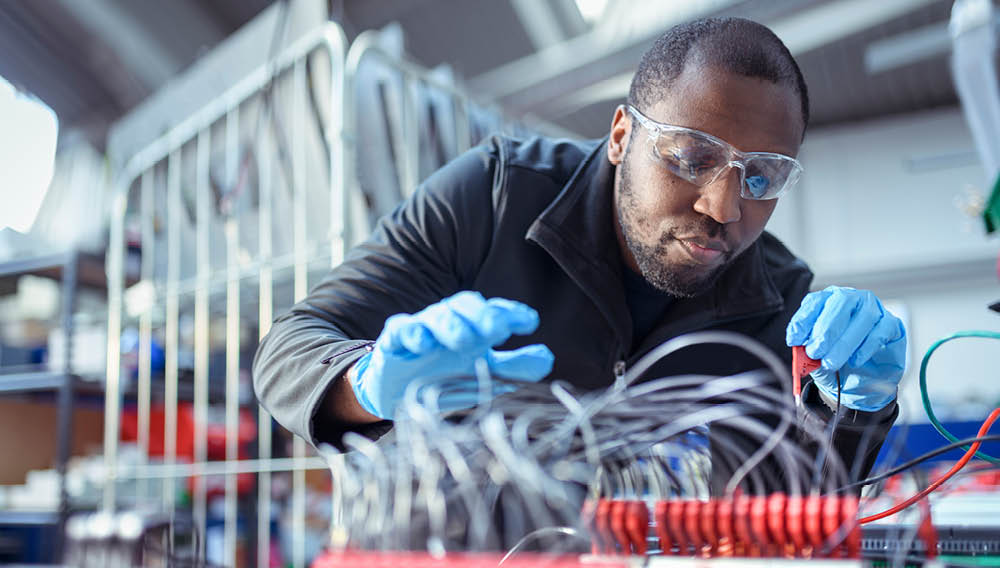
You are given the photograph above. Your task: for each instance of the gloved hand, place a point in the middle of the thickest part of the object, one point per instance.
(443, 341)
(849, 330)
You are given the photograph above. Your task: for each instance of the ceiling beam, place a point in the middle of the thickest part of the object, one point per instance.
(834, 21)
(911, 47)
(608, 48)
(908, 48)
(801, 32)
(145, 58)
(540, 22)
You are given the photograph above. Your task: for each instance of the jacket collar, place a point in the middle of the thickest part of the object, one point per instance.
(577, 230)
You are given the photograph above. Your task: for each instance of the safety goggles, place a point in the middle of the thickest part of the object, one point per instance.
(701, 158)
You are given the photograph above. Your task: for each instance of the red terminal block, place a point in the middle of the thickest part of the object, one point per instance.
(602, 523)
(621, 538)
(692, 524)
(660, 520)
(849, 518)
(709, 530)
(926, 530)
(741, 528)
(724, 524)
(776, 523)
(831, 524)
(637, 526)
(811, 523)
(675, 524)
(794, 523)
(758, 525)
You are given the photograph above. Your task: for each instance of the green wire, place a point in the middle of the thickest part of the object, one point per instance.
(923, 386)
(952, 559)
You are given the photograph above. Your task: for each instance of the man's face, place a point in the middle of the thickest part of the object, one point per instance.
(679, 236)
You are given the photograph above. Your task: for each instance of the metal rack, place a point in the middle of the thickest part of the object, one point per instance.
(72, 269)
(234, 223)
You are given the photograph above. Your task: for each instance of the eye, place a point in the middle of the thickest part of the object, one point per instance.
(689, 161)
(697, 159)
(758, 185)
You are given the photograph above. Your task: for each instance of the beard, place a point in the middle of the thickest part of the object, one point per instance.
(680, 279)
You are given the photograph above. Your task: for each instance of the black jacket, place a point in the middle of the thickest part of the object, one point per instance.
(530, 221)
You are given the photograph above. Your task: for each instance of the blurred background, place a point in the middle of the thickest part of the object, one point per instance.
(176, 173)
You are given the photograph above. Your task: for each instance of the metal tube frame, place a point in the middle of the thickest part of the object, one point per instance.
(196, 130)
(167, 150)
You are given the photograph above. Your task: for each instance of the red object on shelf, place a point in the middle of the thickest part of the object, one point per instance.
(215, 434)
(215, 430)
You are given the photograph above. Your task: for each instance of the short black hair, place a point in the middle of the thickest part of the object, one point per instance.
(736, 45)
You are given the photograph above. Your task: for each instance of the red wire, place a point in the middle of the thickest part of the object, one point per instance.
(954, 469)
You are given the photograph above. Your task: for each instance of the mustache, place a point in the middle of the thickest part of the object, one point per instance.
(705, 225)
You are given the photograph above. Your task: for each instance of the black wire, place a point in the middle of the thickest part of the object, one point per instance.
(918, 460)
(824, 450)
(838, 401)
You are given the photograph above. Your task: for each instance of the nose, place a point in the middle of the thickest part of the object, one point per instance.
(720, 199)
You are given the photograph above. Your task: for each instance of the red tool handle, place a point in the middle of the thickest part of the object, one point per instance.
(802, 365)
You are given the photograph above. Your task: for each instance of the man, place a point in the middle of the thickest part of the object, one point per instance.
(619, 245)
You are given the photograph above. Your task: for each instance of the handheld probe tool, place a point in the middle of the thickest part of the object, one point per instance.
(802, 365)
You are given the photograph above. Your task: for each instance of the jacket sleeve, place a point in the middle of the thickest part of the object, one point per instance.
(858, 435)
(428, 248)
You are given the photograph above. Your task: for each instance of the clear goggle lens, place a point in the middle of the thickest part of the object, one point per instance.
(701, 158)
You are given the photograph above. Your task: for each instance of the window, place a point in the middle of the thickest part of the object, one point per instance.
(591, 10)
(28, 132)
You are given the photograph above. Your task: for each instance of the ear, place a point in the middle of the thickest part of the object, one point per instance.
(621, 129)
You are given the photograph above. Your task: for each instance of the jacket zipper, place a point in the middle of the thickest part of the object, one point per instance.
(619, 370)
(366, 346)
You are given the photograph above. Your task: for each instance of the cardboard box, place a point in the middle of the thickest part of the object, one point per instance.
(28, 436)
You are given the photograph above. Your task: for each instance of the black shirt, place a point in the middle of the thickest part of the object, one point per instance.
(646, 304)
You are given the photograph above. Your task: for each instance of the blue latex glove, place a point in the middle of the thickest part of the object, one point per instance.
(849, 330)
(444, 341)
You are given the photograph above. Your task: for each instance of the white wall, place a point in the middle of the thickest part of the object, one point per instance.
(880, 208)
(963, 376)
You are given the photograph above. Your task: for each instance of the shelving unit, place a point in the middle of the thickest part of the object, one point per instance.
(72, 269)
